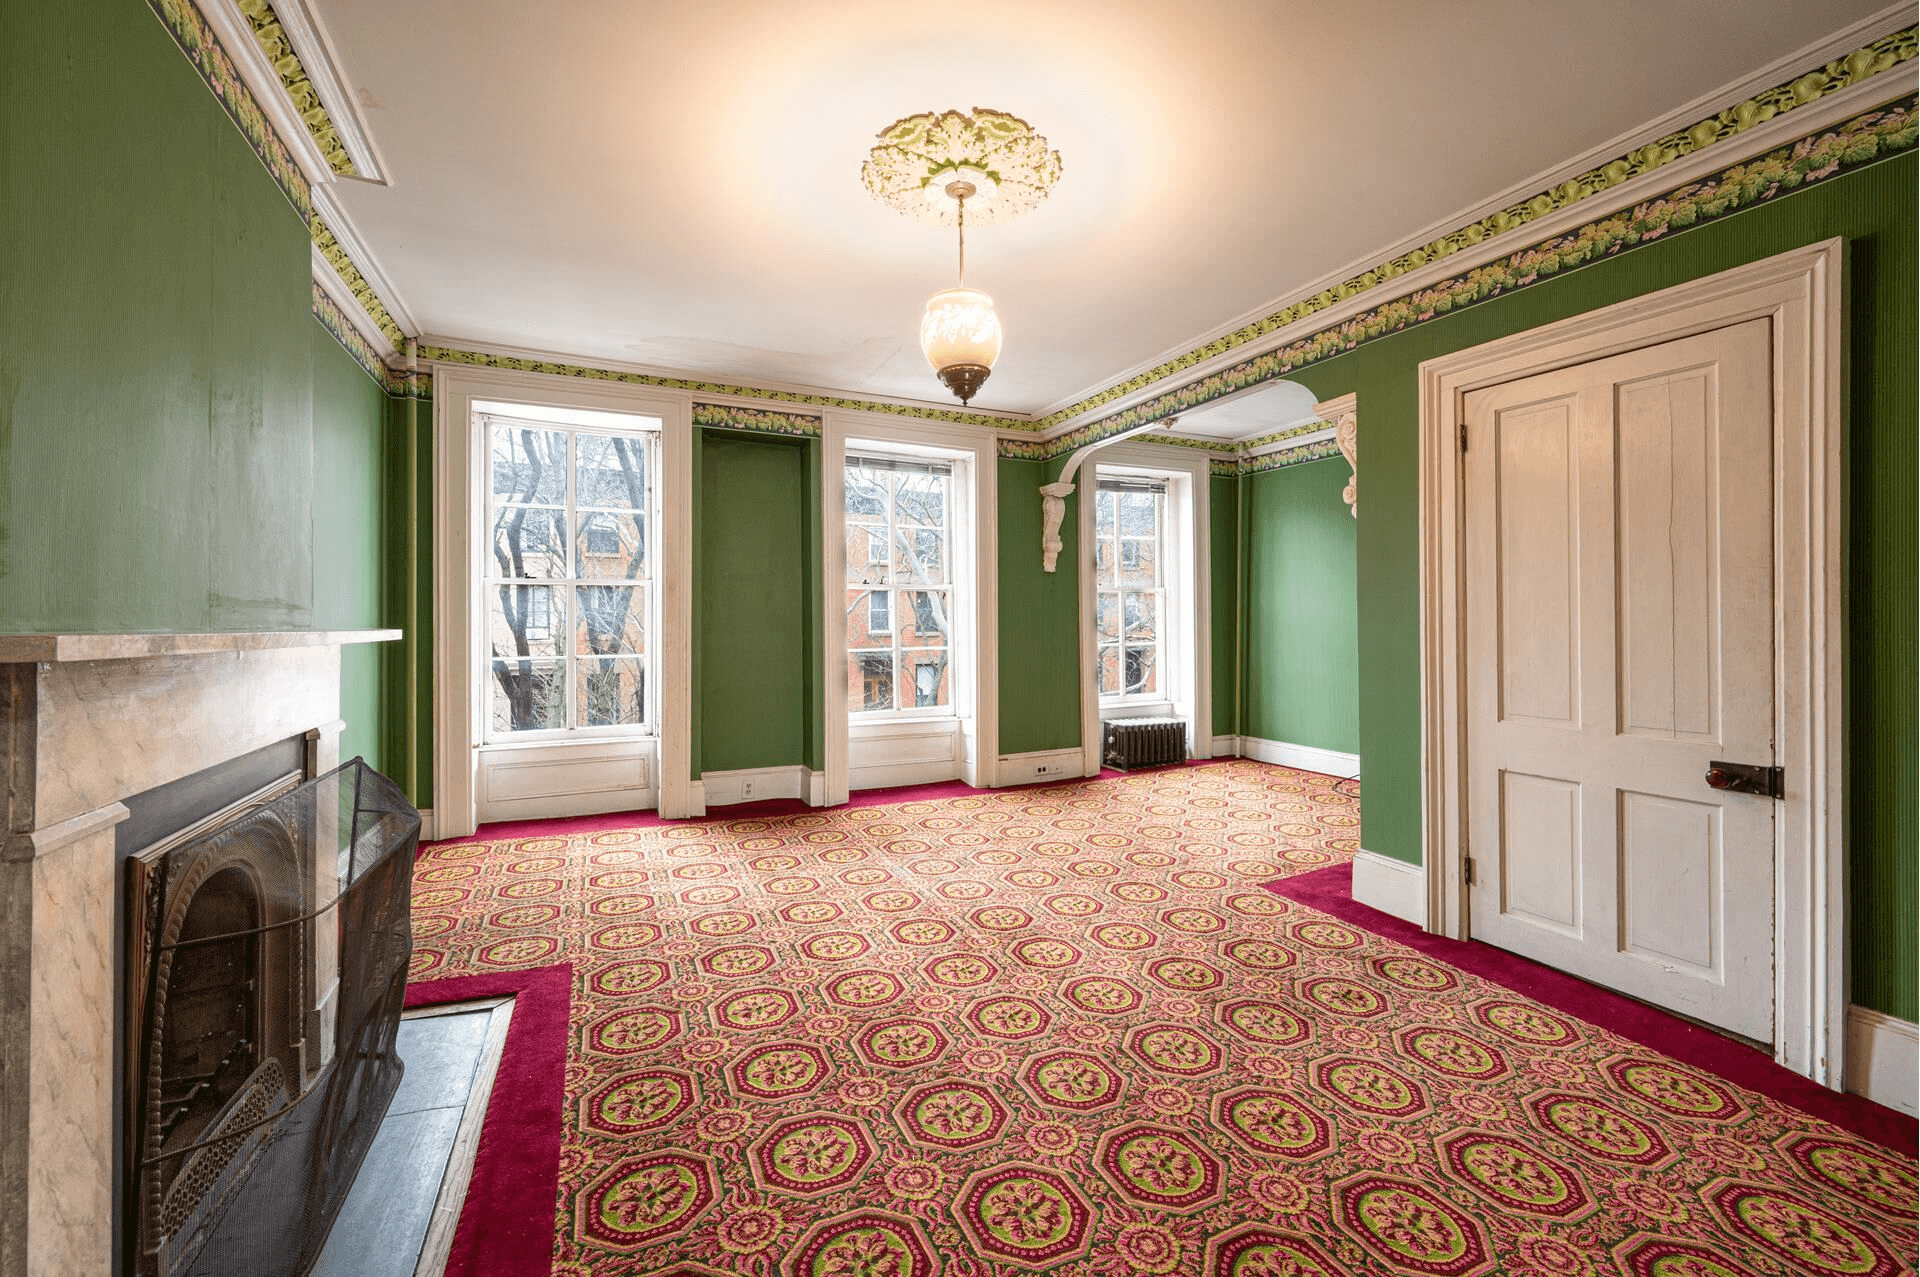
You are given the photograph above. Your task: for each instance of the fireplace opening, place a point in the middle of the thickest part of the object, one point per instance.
(209, 1042)
(266, 972)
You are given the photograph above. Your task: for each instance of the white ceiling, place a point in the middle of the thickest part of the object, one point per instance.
(676, 183)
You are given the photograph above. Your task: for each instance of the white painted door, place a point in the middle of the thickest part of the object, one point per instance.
(1620, 625)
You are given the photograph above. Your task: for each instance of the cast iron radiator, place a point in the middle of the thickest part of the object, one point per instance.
(1143, 742)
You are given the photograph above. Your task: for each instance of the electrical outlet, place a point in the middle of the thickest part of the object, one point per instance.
(746, 789)
(1045, 769)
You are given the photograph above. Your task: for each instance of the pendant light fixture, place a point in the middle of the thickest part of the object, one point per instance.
(943, 169)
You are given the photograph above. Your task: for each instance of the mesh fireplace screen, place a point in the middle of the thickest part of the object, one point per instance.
(269, 960)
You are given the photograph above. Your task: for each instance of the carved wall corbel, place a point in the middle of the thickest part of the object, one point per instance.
(1053, 496)
(1344, 416)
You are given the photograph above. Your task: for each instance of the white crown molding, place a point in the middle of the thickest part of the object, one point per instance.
(235, 33)
(505, 351)
(1284, 445)
(315, 49)
(336, 288)
(328, 209)
(1803, 120)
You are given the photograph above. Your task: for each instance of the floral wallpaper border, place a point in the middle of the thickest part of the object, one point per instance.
(1882, 55)
(299, 86)
(363, 292)
(762, 420)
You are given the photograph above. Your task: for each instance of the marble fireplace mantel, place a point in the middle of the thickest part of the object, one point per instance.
(87, 720)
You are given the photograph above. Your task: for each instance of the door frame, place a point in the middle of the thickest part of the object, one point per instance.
(1800, 291)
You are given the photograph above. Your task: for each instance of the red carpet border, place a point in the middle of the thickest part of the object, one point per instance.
(1066, 1030)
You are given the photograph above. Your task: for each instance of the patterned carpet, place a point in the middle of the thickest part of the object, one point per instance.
(1066, 1030)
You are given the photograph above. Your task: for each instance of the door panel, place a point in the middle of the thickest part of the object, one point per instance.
(1539, 563)
(1619, 613)
(1540, 851)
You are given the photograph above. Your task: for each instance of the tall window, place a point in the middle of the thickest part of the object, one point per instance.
(899, 586)
(1130, 594)
(569, 582)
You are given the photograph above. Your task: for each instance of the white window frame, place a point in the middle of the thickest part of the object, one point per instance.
(913, 749)
(1187, 622)
(577, 776)
(1159, 701)
(568, 585)
(893, 589)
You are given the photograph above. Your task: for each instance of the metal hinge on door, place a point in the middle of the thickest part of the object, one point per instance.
(1748, 778)
(1463, 436)
(1469, 871)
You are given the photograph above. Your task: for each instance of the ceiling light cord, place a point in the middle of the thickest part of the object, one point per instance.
(963, 241)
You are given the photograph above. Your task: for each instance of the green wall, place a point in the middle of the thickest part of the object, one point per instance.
(182, 447)
(1874, 208)
(1039, 618)
(757, 608)
(1302, 673)
(349, 500)
(1223, 571)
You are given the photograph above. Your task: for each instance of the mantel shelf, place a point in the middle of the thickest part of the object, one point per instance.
(23, 648)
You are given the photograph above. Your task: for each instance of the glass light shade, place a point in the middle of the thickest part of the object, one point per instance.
(960, 327)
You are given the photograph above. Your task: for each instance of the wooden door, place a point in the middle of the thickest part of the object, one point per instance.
(1620, 640)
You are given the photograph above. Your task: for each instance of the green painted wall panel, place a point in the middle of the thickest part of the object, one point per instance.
(1874, 208)
(1302, 649)
(754, 685)
(1223, 573)
(350, 498)
(1039, 618)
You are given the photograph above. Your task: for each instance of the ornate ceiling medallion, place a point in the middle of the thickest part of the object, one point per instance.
(939, 169)
(999, 155)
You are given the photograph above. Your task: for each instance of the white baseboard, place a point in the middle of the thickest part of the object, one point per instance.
(1306, 757)
(754, 784)
(1226, 747)
(1883, 1059)
(427, 832)
(1391, 886)
(1043, 764)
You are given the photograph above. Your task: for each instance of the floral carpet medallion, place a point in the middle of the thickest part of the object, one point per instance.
(1066, 1030)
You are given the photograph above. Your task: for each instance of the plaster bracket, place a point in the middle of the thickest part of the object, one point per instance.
(1343, 414)
(1053, 496)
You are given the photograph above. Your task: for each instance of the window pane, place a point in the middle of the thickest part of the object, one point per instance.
(1103, 513)
(1142, 616)
(529, 465)
(922, 556)
(925, 617)
(612, 692)
(869, 618)
(1106, 617)
(866, 493)
(611, 545)
(925, 679)
(870, 682)
(1139, 513)
(867, 554)
(612, 472)
(527, 620)
(1103, 569)
(1142, 671)
(529, 696)
(1108, 671)
(920, 499)
(1139, 561)
(529, 543)
(612, 620)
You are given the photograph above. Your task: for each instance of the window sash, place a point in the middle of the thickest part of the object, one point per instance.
(559, 593)
(886, 575)
(1116, 554)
